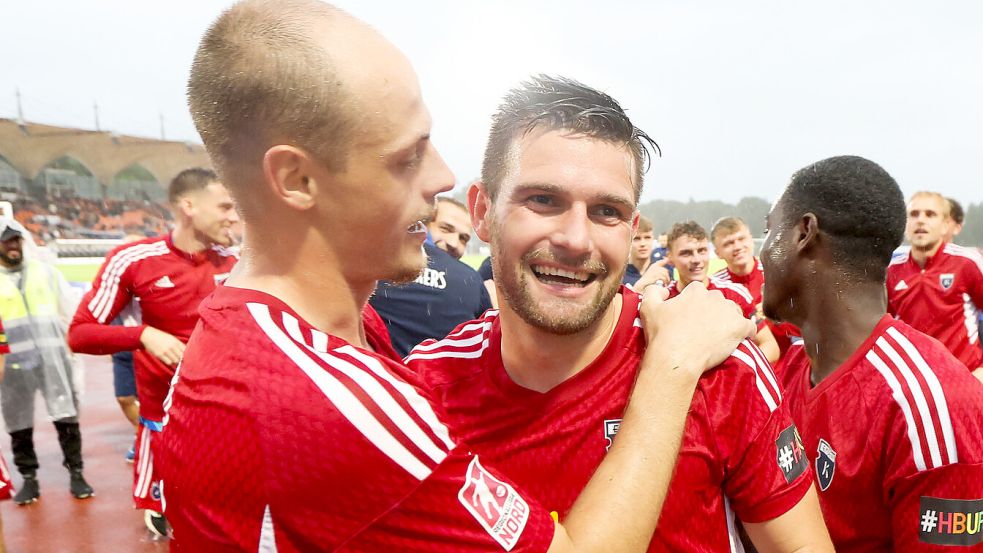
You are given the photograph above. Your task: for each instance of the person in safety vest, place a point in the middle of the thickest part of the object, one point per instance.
(35, 305)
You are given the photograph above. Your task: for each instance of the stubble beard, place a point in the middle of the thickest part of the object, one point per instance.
(514, 289)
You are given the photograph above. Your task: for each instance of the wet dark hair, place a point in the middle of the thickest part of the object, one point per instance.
(559, 103)
(858, 205)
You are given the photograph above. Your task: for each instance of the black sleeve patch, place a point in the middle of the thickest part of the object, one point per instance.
(790, 454)
(950, 521)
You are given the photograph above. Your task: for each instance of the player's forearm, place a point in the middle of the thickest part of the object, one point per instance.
(99, 339)
(620, 506)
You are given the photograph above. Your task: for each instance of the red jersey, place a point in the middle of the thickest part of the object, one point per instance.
(942, 300)
(736, 293)
(895, 432)
(280, 437)
(740, 453)
(169, 284)
(752, 281)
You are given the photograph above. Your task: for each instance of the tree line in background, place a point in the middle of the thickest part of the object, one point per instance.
(664, 213)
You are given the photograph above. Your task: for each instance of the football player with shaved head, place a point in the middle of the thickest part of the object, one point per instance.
(291, 424)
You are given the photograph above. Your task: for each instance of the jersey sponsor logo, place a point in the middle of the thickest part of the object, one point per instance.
(825, 464)
(432, 278)
(164, 282)
(791, 455)
(946, 280)
(950, 521)
(901, 285)
(494, 504)
(611, 427)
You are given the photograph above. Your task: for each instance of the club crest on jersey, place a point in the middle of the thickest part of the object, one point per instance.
(494, 504)
(611, 427)
(946, 280)
(791, 456)
(825, 464)
(950, 521)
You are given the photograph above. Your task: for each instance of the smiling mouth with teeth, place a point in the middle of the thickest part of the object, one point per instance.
(417, 227)
(553, 275)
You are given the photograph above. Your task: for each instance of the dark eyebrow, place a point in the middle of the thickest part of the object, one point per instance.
(559, 190)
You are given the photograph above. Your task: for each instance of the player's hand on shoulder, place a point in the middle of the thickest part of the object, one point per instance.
(162, 345)
(699, 328)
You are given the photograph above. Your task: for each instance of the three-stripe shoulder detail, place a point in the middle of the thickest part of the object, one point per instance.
(387, 411)
(918, 393)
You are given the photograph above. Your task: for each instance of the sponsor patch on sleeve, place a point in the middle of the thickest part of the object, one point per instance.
(950, 521)
(790, 454)
(494, 504)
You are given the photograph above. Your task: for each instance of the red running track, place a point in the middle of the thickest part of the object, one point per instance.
(59, 523)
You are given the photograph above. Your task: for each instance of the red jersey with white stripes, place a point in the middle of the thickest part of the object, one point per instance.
(895, 434)
(752, 281)
(740, 453)
(280, 437)
(169, 283)
(943, 299)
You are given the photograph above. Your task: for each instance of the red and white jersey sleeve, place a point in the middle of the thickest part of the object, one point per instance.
(895, 432)
(280, 437)
(942, 299)
(736, 293)
(766, 465)
(169, 283)
(753, 281)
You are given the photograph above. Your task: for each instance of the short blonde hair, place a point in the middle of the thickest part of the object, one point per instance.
(644, 224)
(259, 78)
(946, 206)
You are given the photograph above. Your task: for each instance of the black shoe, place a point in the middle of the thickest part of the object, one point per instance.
(29, 492)
(155, 522)
(80, 488)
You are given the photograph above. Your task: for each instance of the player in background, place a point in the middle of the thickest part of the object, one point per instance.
(169, 275)
(937, 287)
(732, 241)
(891, 418)
(640, 258)
(689, 252)
(956, 218)
(291, 426)
(543, 384)
(450, 228)
(444, 295)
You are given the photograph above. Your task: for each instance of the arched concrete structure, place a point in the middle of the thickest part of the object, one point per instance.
(29, 147)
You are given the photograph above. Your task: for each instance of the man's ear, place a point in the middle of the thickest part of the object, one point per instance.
(806, 233)
(186, 205)
(480, 207)
(289, 175)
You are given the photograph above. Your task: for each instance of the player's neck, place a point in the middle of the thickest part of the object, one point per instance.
(922, 255)
(187, 240)
(540, 360)
(838, 323)
(742, 269)
(312, 285)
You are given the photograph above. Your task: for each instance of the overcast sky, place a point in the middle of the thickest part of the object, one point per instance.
(738, 94)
